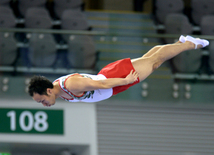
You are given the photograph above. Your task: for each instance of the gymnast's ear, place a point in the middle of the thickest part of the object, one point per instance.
(49, 91)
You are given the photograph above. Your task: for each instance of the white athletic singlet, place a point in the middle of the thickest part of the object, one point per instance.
(88, 96)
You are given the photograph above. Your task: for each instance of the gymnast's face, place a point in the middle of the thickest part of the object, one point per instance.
(46, 100)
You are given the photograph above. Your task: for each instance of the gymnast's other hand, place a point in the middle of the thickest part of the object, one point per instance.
(132, 77)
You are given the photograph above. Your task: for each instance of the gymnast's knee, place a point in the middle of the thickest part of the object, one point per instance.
(156, 65)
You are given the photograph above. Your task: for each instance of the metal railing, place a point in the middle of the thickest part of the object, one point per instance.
(97, 33)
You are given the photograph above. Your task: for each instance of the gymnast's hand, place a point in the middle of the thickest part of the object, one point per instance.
(132, 77)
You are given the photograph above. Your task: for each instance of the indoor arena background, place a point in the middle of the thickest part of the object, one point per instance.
(170, 113)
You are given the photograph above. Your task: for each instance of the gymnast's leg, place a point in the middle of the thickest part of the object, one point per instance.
(146, 64)
(182, 39)
(154, 49)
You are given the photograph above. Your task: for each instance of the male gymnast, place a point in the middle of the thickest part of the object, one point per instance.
(112, 79)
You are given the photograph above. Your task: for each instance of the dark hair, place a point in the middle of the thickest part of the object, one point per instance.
(39, 84)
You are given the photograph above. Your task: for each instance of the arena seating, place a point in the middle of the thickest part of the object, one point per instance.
(42, 49)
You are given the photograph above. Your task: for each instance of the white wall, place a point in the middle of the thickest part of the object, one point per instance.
(79, 125)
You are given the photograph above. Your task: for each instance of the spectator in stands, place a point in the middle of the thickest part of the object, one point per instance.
(112, 79)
